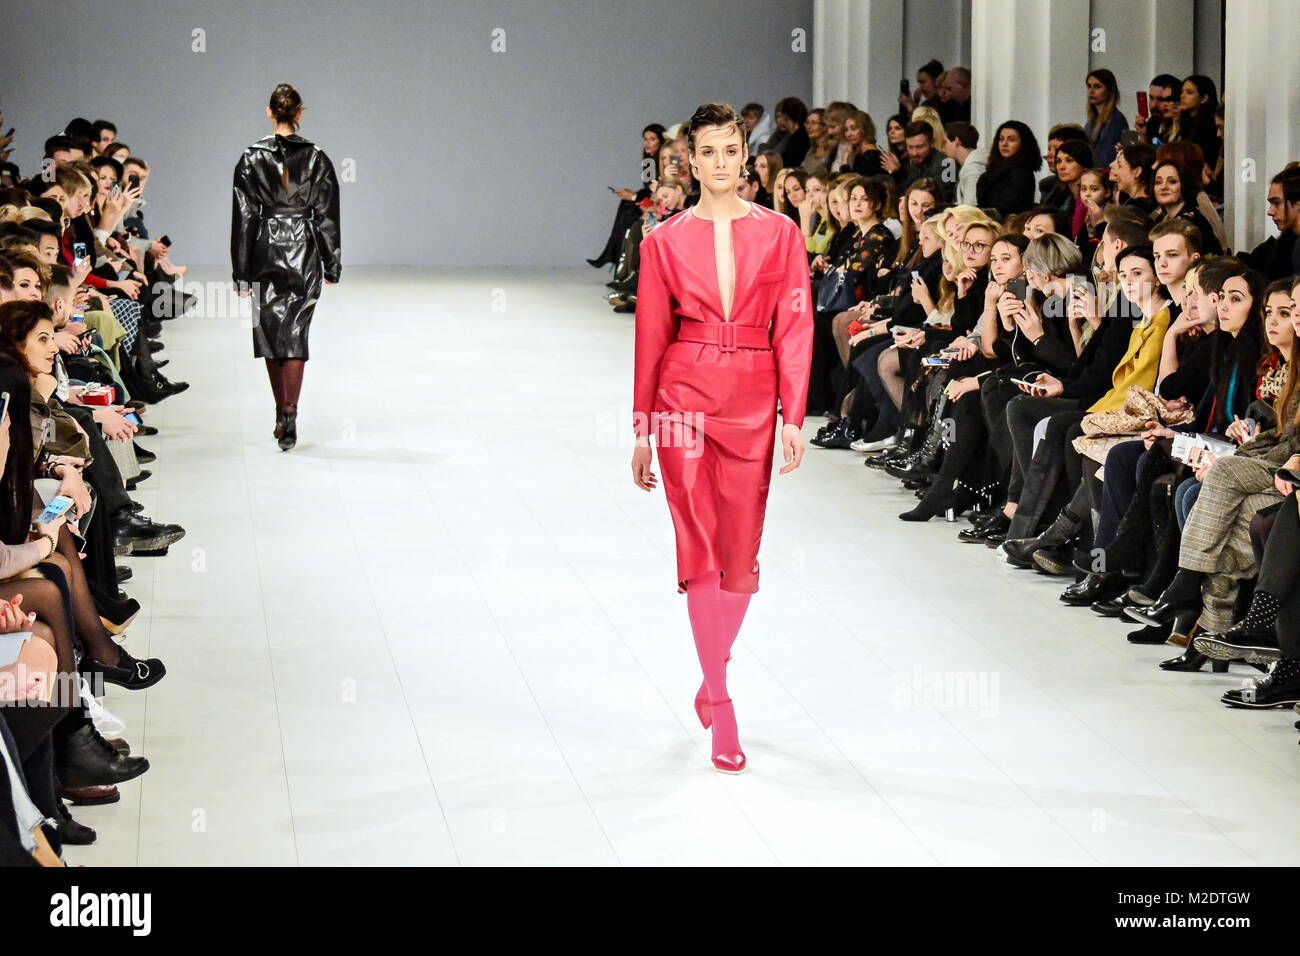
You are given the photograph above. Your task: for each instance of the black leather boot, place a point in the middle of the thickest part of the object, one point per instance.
(86, 759)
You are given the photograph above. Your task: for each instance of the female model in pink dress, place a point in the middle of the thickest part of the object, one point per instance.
(708, 373)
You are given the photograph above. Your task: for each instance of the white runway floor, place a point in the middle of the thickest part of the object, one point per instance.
(445, 630)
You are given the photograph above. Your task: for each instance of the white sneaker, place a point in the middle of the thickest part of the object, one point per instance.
(883, 445)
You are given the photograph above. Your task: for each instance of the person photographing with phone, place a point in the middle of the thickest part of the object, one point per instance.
(284, 239)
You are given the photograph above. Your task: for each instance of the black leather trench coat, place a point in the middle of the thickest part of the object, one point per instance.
(284, 236)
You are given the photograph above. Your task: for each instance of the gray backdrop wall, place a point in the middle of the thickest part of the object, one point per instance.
(463, 156)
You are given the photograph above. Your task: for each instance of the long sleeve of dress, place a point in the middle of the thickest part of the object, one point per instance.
(656, 328)
(17, 558)
(792, 332)
(327, 220)
(243, 224)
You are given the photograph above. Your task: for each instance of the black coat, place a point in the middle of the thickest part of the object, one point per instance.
(284, 235)
(1008, 188)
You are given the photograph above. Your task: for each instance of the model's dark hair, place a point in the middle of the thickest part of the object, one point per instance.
(713, 114)
(17, 319)
(19, 466)
(285, 104)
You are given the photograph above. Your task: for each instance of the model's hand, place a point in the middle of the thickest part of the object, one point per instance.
(791, 447)
(641, 473)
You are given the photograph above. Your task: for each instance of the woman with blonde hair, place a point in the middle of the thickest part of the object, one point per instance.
(865, 158)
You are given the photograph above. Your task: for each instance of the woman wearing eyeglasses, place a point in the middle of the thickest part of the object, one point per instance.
(707, 378)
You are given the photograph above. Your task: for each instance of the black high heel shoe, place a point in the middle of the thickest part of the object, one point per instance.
(950, 503)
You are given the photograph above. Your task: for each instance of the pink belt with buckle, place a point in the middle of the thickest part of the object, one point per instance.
(727, 336)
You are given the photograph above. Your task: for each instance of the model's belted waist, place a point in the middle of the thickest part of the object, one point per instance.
(728, 336)
(285, 212)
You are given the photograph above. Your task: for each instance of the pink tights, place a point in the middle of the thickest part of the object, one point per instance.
(715, 620)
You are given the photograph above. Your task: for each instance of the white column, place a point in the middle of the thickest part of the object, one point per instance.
(1135, 40)
(1029, 59)
(1262, 121)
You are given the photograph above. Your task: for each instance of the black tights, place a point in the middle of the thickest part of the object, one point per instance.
(286, 381)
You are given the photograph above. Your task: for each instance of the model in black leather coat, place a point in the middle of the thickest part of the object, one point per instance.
(284, 236)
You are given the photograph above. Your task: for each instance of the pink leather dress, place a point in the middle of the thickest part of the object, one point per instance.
(707, 386)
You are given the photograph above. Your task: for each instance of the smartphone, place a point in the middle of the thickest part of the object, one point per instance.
(903, 328)
(1019, 288)
(1024, 381)
(916, 276)
(610, 188)
(132, 181)
(78, 251)
(4, 404)
(935, 361)
(1252, 427)
(1286, 474)
(905, 86)
(132, 417)
(1144, 110)
(115, 191)
(55, 509)
(651, 218)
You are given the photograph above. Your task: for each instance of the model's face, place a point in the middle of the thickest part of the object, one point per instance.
(27, 286)
(719, 155)
(930, 241)
(815, 126)
(1172, 259)
(794, 193)
(976, 246)
(1096, 91)
(1283, 213)
(894, 130)
(1277, 320)
(1092, 188)
(1068, 169)
(920, 204)
(1168, 190)
(1234, 305)
(39, 347)
(919, 149)
(48, 249)
(1039, 225)
(1191, 98)
(1004, 263)
(1008, 143)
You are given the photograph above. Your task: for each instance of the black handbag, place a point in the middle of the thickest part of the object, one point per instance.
(837, 292)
